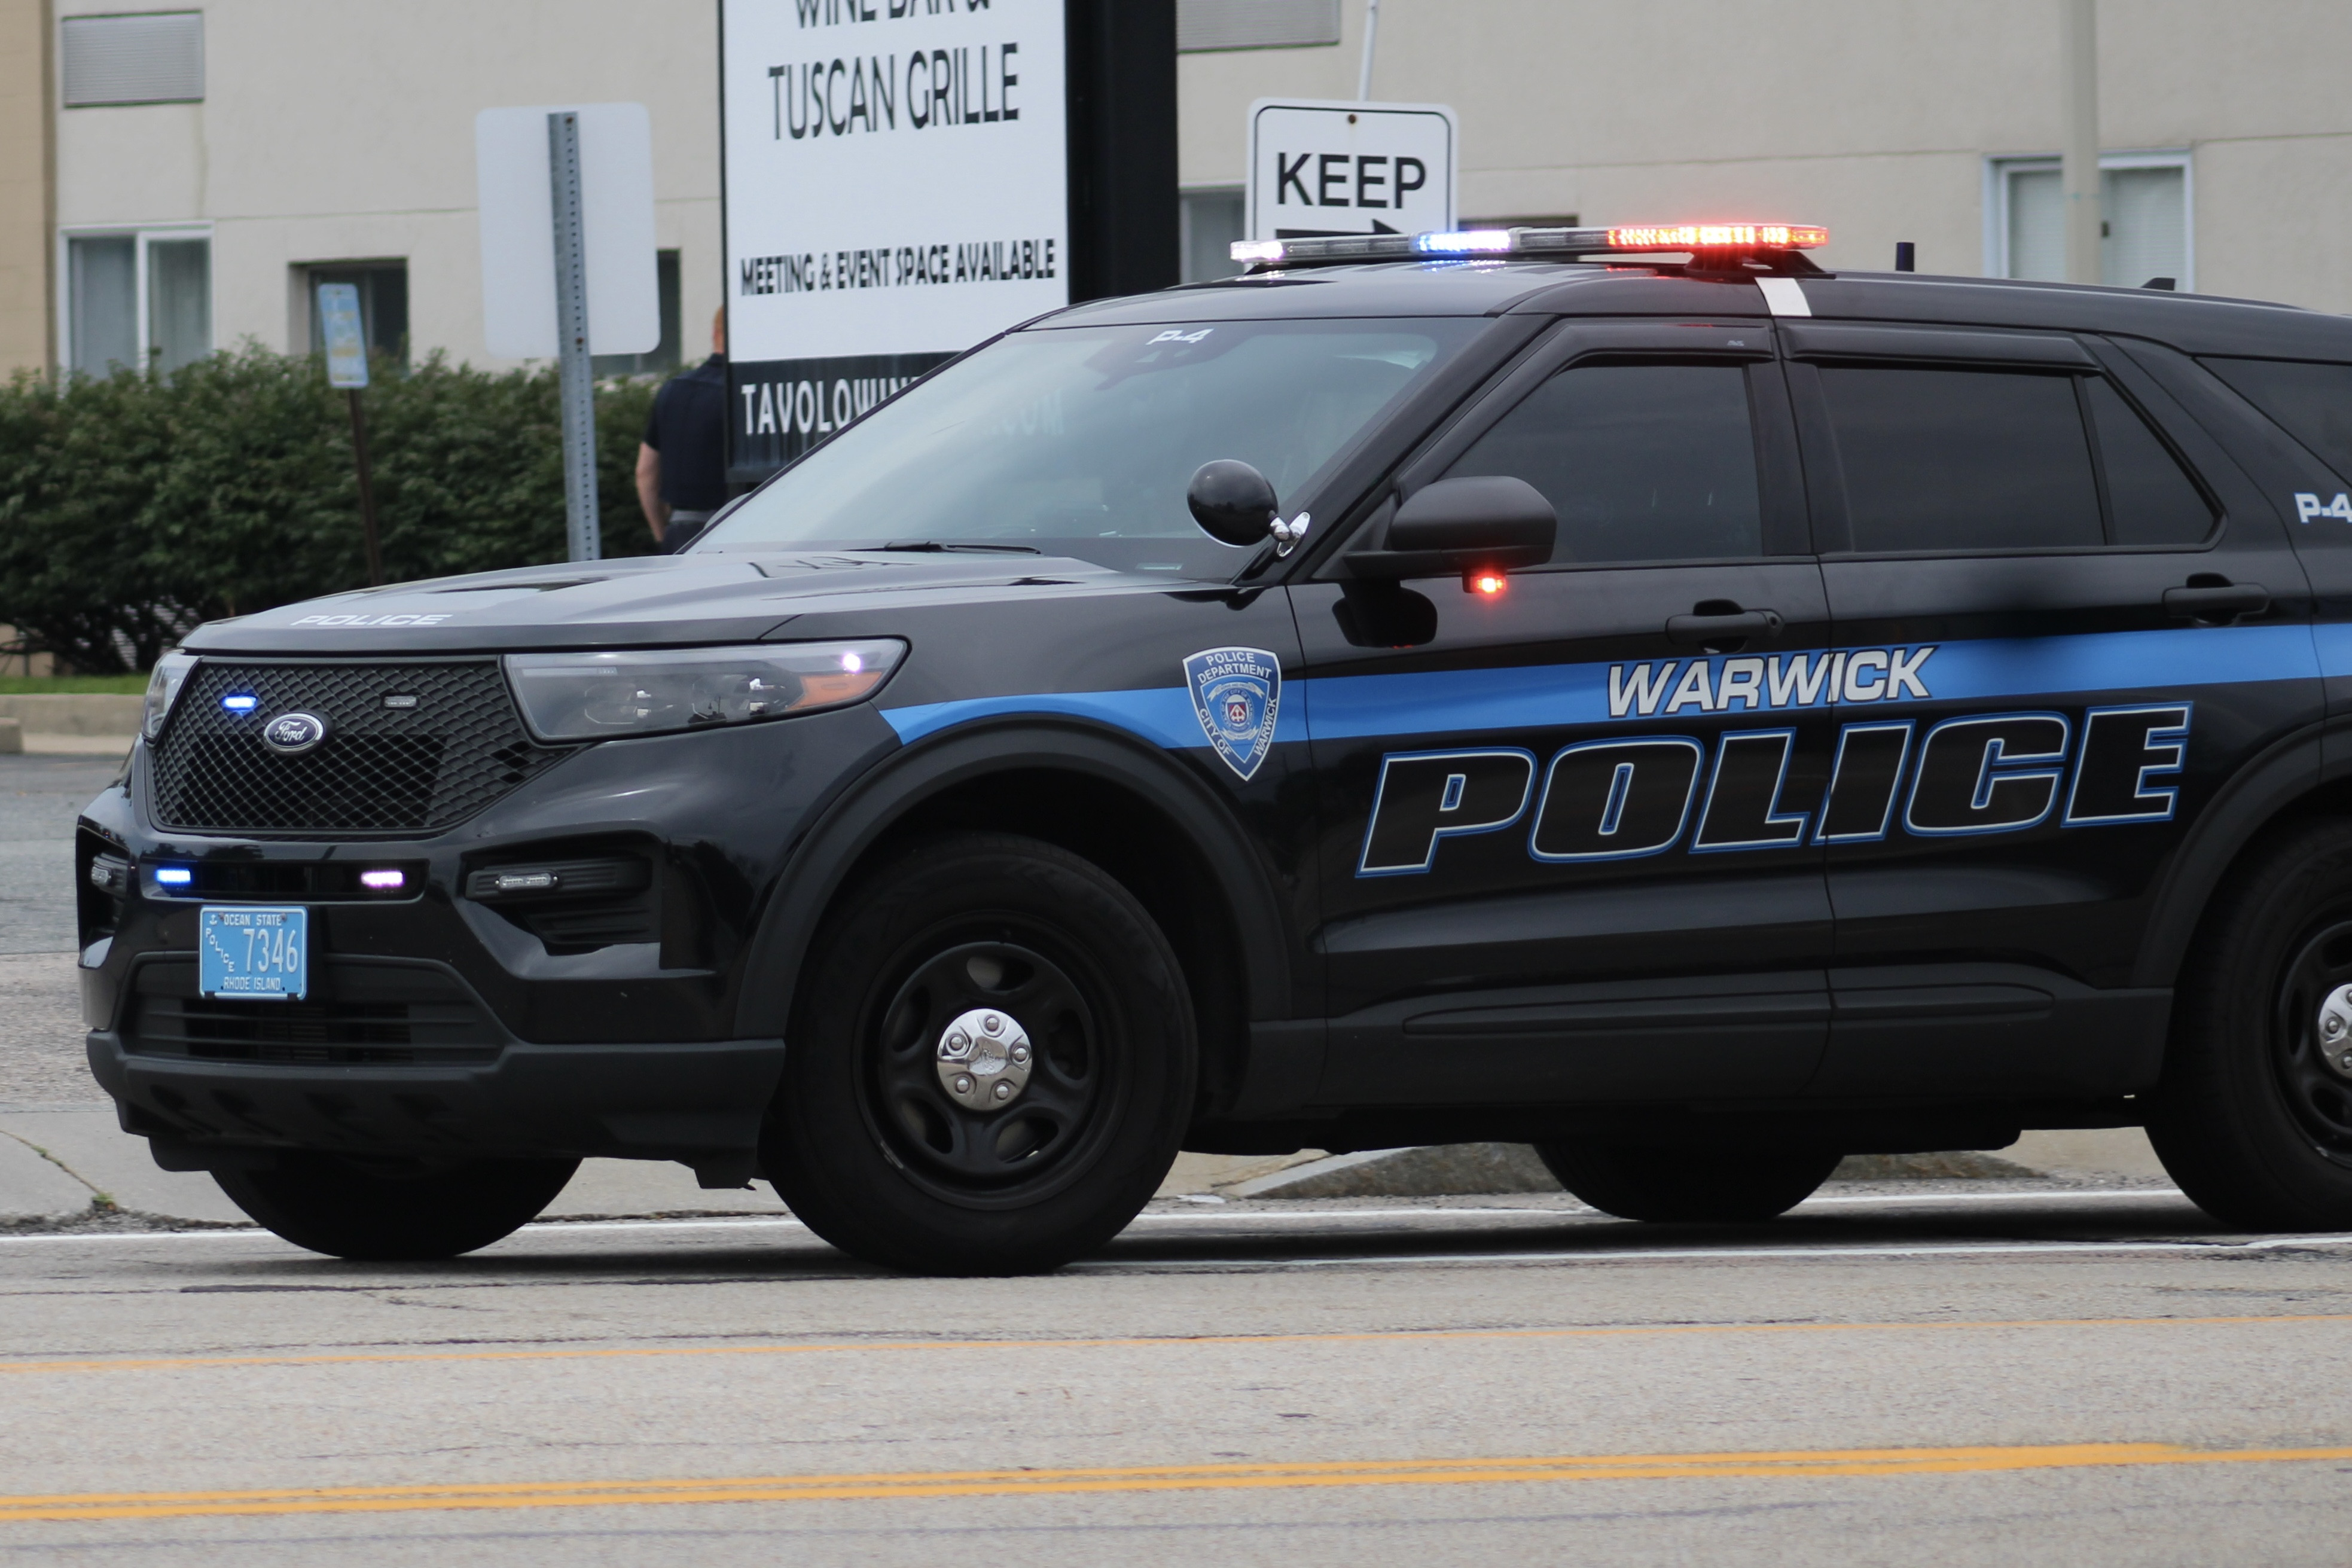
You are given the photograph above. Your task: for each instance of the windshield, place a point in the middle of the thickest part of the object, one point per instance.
(1080, 441)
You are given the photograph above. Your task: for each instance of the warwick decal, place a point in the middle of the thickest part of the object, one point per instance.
(1627, 795)
(1236, 692)
(1783, 680)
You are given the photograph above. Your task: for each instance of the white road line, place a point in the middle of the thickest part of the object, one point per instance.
(1691, 1253)
(1302, 1218)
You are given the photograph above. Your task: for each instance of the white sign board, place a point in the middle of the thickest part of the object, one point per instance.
(896, 190)
(616, 199)
(1323, 168)
(346, 341)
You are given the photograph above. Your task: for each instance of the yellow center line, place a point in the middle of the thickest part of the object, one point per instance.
(1143, 1479)
(1389, 1336)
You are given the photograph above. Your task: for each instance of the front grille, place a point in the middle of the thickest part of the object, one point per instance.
(357, 1014)
(452, 745)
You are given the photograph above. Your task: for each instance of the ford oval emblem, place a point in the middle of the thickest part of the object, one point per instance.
(291, 735)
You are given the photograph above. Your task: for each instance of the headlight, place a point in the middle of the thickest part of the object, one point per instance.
(595, 696)
(164, 689)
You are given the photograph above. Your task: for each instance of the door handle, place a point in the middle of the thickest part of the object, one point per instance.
(2216, 604)
(1731, 626)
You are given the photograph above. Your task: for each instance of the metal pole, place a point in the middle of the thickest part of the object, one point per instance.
(367, 492)
(580, 511)
(1372, 36)
(2078, 59)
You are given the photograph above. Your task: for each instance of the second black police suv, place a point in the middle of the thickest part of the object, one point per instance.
(1702, 715)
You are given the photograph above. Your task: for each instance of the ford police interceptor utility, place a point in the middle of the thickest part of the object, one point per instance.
(1629, 692)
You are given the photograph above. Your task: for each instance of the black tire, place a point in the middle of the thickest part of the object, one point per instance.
(866, 1142)
(345, 1209)
(2251, 1117)
(1736, 1186)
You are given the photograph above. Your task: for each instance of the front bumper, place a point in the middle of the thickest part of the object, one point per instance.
(443, 1026)
(696, 1102)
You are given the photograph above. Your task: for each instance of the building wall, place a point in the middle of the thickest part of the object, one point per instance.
(1874, 117)
(343, 129)
(24, 186)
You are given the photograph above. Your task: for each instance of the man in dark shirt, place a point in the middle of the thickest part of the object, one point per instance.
(682, 461)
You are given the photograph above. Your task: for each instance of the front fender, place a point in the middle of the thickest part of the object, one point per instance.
(820, 865)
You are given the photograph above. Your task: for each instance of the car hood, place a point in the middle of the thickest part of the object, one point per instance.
(683, 601)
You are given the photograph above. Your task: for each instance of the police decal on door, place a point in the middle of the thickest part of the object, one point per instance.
(1625, 797)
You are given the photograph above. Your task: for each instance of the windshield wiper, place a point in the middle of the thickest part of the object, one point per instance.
(941, 546)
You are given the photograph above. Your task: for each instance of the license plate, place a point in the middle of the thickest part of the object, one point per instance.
(254, 954)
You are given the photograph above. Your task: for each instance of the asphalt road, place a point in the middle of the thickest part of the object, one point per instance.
(2000, 1376)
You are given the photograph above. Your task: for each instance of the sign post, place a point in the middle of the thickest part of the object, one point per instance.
(905, 178)
(1325, 168)
(568, 260)
(579, 387)
(347, 368)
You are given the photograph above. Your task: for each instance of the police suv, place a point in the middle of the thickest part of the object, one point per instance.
(1626, 690)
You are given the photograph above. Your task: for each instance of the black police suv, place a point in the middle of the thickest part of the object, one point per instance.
(1635, 693)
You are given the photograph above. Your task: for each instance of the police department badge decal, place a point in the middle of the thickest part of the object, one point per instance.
(1235, 693)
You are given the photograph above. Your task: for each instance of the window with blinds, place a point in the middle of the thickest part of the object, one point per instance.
(157, 58)
(1255, 24)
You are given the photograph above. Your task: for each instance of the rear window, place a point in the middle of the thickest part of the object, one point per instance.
(1950, 460)
(2312, 401)
(1961, 460)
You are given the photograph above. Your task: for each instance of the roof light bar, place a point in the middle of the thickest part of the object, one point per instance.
(1460, 242)
(1472, 243)
(1720, 235)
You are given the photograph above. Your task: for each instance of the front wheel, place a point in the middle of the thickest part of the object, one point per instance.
(2253, 1116)
(1735, 1185)
(390, 1213)
(989, 1066)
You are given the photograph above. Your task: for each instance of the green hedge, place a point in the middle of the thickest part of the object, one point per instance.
(134, 506)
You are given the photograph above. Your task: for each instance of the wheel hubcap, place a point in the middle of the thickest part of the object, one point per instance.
(987, 1070)
(2334, 1039)
(2311, 1038)
(985, 1059)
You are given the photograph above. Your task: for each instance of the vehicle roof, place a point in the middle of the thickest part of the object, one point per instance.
(2195, 323)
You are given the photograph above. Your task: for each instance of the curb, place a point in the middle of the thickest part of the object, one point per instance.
(1434, 1170)
(96, 713)
(1472, 1169)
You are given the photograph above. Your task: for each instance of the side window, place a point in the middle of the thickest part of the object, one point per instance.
(2149, 499)
(2312, 401)
(1642, 462)
(1961, 460)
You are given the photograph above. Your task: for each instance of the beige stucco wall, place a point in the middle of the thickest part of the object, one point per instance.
(343, 129)
(1874, 117)
(25, 249)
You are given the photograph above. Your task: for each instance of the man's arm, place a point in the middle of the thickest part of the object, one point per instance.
(649, 491)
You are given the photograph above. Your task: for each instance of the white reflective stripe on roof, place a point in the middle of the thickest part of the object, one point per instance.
(1784, 296)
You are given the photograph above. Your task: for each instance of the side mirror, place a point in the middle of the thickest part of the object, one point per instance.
(1233, 502)
(1460, 527)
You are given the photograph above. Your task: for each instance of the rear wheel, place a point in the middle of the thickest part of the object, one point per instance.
(991, 1065)
(2253, 1117)
(385, 1214)
(1666, 1184)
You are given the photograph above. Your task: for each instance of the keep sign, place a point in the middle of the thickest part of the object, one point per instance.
(1322, 168)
